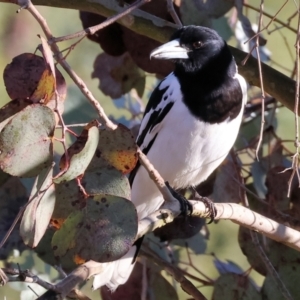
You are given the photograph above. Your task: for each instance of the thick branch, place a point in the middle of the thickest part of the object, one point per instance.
(277, 84)
(226, 211)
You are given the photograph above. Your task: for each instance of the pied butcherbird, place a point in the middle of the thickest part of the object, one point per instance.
(190, 124)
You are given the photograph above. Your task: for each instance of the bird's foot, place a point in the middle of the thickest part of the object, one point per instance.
(210, 206)
(185, 206)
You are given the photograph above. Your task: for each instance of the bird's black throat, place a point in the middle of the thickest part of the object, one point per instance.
(210, 92)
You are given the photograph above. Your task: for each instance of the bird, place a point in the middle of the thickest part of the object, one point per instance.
(190, 123)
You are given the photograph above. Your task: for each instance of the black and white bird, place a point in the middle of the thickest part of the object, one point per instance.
(190, 124)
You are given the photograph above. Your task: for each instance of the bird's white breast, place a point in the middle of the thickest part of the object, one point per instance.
(186, 151)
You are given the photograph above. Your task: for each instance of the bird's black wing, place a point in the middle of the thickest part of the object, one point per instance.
(158, 106)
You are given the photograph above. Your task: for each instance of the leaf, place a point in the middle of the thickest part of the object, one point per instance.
(45, 89)
(65, 237)
(227, 267)
(201, 12)
(107, 180)
(44, 251)
(11, 108)
(12, 198)
(37, 214)
(118, 75)
(98, 232)
(235, 286)
(289, 276)
(277, 184)
(80, 153)
(226, 187)
(116, 147)
(22, 75)
(68, 200)
(259, 178)
(30, 76)
(26, 142)
(47, 84)
(246, 245)
(274, 158)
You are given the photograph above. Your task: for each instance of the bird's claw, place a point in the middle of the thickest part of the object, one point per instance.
(185, 206)
(210, 206)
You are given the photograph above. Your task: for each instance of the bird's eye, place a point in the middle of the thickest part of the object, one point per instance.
(197, 45)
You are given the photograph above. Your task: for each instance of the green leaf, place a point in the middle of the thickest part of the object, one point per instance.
(81, 153)
(37, 214)
(12, 198)
(26, 146)
(68, 200)
(103, 231)
(107, 180)
(65, 238)
(44, 251)
(117, 148)
(235, 286)
(11, 108)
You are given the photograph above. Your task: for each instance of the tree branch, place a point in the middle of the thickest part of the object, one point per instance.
(277, 84)
(177, 274)
(225, 211)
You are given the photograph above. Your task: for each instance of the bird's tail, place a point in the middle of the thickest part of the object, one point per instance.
(116, 272)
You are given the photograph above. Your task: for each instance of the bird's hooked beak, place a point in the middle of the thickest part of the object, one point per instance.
(170, 50)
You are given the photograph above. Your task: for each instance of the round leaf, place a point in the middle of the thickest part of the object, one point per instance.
(235, 286)
(43, 250)
(103, 231)
(12, 198)
(22, 75)
(118, 75)
(107, 180)
(68, 200)
(29, 75)
(25, 142)
(118, 148)
(10, 109)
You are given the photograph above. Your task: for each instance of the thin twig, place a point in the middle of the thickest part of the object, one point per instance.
(16, 275)
(172, 12)
(295, 157)
(60, 59)
(263, 96)
(261, 13)
(286, 25)
(270, 268)
(209, 280)
(185, 284)
(91, 30)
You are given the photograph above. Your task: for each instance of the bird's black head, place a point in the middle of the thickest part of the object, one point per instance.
(192, 47)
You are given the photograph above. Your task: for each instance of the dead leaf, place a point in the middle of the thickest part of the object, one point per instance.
(118, 75)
